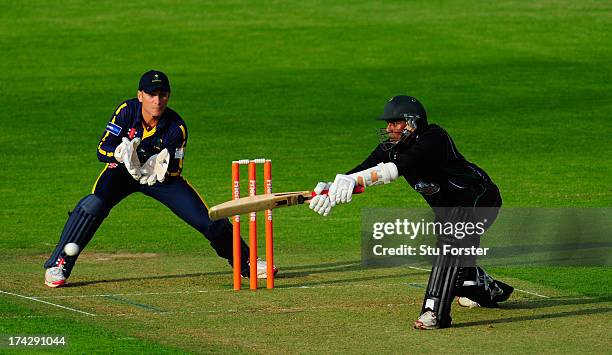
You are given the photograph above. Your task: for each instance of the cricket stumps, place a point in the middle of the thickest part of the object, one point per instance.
(252, 178)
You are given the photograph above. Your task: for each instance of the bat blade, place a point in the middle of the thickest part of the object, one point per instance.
(258, 203)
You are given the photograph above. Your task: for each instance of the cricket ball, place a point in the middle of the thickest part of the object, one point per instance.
(71, 249)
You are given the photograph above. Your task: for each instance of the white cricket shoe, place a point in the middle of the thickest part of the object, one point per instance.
(466, 302)
(262, 269)
(427, 320)
(54, 277)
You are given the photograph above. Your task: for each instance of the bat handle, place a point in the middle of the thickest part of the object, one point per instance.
(357, 190)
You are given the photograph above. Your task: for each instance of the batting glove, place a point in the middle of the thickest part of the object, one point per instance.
(321, 202)
(341, 191)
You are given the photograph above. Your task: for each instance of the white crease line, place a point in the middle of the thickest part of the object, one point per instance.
(531, 293)
(45, 302)
(280, 288)
(242, 311)
(120, 294)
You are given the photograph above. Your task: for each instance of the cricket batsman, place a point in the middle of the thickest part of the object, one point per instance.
(457, 190)
(142, 147)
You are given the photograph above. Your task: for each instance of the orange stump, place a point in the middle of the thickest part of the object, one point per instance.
(253, 228)
(269, 229)
(236, 228)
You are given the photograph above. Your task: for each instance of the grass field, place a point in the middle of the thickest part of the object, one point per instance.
(523, 88)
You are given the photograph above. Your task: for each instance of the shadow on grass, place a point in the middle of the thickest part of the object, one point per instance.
(348, 266)
(324, 265)
(285, 273)
(580, 312)
(344, 266)
(158, 277)
(552, 302)
(354, 279)
(306, 270)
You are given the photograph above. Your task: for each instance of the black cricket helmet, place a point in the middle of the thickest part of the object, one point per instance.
(398, 108)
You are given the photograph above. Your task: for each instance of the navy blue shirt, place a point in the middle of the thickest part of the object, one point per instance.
(127, 121)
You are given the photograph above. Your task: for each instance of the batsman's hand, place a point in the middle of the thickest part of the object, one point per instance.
(154, 170)
(321, 202)
(126, 153)
(341, 190)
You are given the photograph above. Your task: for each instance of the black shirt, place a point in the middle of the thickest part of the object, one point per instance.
(431, 163)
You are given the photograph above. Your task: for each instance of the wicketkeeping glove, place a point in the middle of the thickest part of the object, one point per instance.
(154, 170)
(126, 153)
(341, 191)
(321, 202)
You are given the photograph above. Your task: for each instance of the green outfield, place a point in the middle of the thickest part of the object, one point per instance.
(523, 88)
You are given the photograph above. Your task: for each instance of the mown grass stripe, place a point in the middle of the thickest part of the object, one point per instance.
(135, 304)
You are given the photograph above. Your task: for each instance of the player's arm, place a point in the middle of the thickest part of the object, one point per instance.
(376, 157)
(341, 190)
(176, 149)
(427, 151)
(115, 146)
(168, 162)
(343, 187)
(116, 129)
(372, 171)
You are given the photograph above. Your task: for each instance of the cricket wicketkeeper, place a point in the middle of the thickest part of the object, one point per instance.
(143, 148)
(458, 191)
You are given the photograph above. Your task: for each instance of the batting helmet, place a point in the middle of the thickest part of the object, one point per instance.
(403, 107)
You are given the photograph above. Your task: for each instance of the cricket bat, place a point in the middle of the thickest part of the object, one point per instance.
(263, 202)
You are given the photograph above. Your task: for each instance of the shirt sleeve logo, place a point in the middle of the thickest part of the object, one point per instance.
(179, 153)
(113, 129)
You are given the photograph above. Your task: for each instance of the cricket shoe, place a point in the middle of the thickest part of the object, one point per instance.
(262, 269)
(466, 302)
(54, 277)
(427, 321)
(503, 291)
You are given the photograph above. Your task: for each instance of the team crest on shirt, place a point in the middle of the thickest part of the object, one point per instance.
(427, 188)
(113, 129)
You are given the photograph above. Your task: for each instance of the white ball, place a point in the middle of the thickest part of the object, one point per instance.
(71, 249)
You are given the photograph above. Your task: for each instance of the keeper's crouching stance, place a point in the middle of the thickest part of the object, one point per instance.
(143, 147)
(457, 190)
